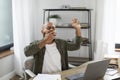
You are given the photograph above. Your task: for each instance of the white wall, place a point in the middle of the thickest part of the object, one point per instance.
(7, 67)
(99, 19)
(67, 33)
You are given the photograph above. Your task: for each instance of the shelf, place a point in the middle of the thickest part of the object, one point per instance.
(86, 44)
(86, 25)
(77, 60)
(71, 27)
(117, 49)
(67, 9)
(83, 26)
(6, 53)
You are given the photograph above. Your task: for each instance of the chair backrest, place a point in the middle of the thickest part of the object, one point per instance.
(28, 64)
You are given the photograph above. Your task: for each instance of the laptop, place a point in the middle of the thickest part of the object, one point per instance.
(94, 71)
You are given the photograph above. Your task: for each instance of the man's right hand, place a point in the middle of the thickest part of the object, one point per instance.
(49, 37)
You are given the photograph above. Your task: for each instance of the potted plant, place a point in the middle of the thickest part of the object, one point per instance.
(54, 18)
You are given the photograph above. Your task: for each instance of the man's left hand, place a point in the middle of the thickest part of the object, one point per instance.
(75, 23)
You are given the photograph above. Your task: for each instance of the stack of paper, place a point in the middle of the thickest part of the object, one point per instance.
(48, 77)
(111, 72)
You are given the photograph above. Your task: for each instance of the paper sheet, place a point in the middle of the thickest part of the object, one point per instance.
(111, 72)
(48, 77)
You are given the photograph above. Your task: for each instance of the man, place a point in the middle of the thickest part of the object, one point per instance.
(50, 54)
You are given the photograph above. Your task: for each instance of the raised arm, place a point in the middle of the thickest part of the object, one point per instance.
(49, 36)
(77, 26)
(78, 39)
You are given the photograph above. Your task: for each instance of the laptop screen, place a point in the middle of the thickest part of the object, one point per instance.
(94, 71)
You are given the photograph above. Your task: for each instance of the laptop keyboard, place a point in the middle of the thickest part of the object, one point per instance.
(78, 76)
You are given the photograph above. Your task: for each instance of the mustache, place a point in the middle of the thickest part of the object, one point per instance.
(54, 34)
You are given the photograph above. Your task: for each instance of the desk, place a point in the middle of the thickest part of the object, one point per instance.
(78, 69)
(75, 70)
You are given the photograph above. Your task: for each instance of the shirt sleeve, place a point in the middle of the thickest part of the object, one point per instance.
(32, 48)
(74, 45)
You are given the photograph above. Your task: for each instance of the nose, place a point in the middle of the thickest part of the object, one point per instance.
(51, 28)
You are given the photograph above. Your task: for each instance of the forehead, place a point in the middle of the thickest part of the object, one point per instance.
(48, 25)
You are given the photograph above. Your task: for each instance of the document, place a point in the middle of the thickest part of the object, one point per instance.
(48, 77)
(111, 72)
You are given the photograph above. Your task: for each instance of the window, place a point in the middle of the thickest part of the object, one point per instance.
(6, 30)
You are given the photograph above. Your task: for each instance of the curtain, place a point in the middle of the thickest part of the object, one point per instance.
(106, 24)
(24, 16)
(109, 25)
(117, 32)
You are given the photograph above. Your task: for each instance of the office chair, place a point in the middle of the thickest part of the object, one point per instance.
(28, 66)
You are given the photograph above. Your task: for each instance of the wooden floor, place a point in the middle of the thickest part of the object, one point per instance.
(16, 77)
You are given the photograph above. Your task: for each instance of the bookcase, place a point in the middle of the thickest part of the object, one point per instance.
(86, 41)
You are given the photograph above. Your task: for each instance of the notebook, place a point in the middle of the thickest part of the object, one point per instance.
(94, 71)
(48, 77)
